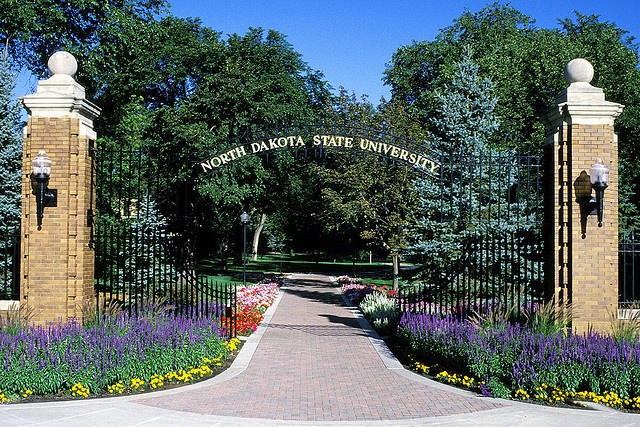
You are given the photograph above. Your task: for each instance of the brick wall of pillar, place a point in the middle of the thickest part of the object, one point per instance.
(581, 265)
(57, 261)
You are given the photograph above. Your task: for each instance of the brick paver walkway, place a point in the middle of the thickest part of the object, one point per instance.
(315, 363)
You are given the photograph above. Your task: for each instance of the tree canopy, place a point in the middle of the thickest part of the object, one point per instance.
(181, 92)
(10, 149)
(525, 64)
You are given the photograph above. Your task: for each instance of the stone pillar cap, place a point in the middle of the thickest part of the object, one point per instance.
(61, 95)
(63, 66)
(578, 71)
(63, 63)
(583, 103)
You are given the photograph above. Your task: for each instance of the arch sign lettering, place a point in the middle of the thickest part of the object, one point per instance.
(322, 141)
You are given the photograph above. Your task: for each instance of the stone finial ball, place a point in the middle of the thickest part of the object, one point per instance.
(62, 63)
(578, 70)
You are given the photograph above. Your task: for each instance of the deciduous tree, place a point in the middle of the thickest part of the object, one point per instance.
(525, 64)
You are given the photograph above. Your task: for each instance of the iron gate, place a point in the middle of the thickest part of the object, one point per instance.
(141, 259)
(491, 204)
(10, 262)
(490, 201)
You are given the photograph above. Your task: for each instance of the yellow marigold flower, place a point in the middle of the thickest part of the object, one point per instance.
(117, 388)
(232, 344)
(156, 381)
(79, 390)
(136, 383)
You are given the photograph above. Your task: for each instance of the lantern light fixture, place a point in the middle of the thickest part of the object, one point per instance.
(45, 197)
(599, 176)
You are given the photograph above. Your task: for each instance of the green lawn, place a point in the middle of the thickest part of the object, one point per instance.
(375, 272)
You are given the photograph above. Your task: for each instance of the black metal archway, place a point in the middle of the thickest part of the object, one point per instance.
(494, 197)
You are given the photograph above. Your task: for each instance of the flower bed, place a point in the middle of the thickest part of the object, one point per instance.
(377, 303)
(356, 291)
(122, 354)
(76, 360)
(489, 354)
(252, 302)
(520, 363)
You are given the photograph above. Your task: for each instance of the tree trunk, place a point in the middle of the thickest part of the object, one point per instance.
(256, 237)
(396, 270)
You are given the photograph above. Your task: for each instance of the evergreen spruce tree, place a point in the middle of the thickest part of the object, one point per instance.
(144, 273)
(465, 119)
(10, 173)
(467, 206)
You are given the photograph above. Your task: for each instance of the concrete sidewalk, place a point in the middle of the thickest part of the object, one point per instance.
(313, 361)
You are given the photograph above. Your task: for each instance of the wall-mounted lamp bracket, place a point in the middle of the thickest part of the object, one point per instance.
(45, 197)
(598, 201)
(599, 179)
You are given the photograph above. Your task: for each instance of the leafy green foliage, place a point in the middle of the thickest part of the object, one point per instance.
(35, 29)
(464, 117)
(142, 263)
(467, 206)
(525, 64)
(10, 148)
(251, 82)
(366, 201)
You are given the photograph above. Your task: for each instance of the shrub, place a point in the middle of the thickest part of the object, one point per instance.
(549, 318)
(518, 357)
(381, 310)
(16, 318)
(628, 328)
(56, 358)
(497, 317)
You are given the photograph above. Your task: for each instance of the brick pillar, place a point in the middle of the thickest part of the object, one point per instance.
(581, 265)
(57, 266)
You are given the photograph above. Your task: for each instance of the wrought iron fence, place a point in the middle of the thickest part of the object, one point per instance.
(629, 271)
(485, 217)
(9, 263)
(140, 259)
(221, 301)
(494, 271)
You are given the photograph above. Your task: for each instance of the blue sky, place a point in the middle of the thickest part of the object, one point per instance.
(352, 40)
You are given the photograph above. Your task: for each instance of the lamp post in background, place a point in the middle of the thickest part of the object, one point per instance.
(244, 219)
